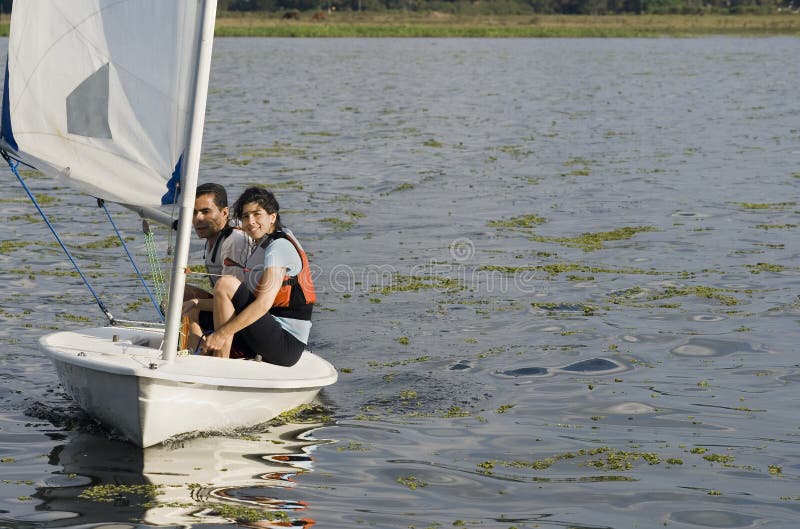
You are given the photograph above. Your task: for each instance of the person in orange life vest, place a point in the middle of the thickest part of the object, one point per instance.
(268, 315)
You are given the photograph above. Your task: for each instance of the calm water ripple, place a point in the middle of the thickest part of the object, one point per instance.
(559, 277)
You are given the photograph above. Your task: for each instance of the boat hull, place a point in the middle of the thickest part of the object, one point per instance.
(116, 376)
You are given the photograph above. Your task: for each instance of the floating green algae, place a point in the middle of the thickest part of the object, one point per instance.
(767, 267)
(112, 493)
(773, 205)
(620, 460)
(353, 446)
(515, 151)
(417, 360)
(609, 459)
(412, 482)
(454, 412)
(11, 246)
(245, 514)
(520, 221)
(578, 160)
(277, 149)
(718, 458)
(403, 187)
(112, 241)
(553, 308)
(338, 224)
(27, 218)
(43, 200)
(31, 273)
(554, 269)
(303, 414)
(775, 226)
(594, 241)
(74, 317)
(294, 185)
(415, 283)
(635, 295)
(700, 292)
(321, 133)
(585, 171)
(345, 222)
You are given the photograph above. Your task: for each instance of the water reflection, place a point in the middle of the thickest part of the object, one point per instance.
(704, 347)
(590, 366)
(205, 480)
(710, 518)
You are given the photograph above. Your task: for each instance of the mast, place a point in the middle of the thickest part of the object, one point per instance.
(189, 181)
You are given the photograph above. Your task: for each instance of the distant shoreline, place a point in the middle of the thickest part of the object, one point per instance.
(435, 25)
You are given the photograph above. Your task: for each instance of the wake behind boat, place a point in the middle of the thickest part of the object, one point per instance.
(109, 96)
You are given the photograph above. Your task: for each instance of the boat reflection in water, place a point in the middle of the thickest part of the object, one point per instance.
(205, 480)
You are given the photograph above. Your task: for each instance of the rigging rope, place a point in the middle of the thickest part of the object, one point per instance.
(13, 165)
(101, 203)
(155, 264)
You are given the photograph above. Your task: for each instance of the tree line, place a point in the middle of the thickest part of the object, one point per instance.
(521, 7)
(512, 7)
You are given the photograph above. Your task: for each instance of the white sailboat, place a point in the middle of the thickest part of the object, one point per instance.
(110, 96)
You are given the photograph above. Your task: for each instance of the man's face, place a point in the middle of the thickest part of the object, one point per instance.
(208, 219)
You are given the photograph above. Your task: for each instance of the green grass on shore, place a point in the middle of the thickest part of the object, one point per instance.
(435, 24)
(446, 25)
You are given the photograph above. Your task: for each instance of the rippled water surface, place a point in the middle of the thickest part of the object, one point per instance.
(559, 279)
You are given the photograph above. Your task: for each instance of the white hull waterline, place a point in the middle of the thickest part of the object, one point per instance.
(117, 375)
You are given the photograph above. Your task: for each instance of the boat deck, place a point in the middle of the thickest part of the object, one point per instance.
(96, 348)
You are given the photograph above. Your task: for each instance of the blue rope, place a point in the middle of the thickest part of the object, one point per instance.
(13, 165)
(101, 202)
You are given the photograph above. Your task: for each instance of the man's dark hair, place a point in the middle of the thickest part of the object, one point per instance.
(264, 198)
(220, 195)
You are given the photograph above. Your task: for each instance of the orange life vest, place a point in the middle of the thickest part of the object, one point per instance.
(297, 296)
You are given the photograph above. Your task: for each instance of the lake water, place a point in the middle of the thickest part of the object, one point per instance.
(559, 278)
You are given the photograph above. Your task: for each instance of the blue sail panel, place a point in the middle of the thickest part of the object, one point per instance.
(173, 185)
(6, 131)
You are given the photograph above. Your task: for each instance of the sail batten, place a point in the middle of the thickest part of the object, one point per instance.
(101, 90)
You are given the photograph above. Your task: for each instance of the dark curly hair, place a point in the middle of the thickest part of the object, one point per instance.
(264, 198)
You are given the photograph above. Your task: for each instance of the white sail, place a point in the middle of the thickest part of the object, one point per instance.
(99, 92)
(111, 95)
